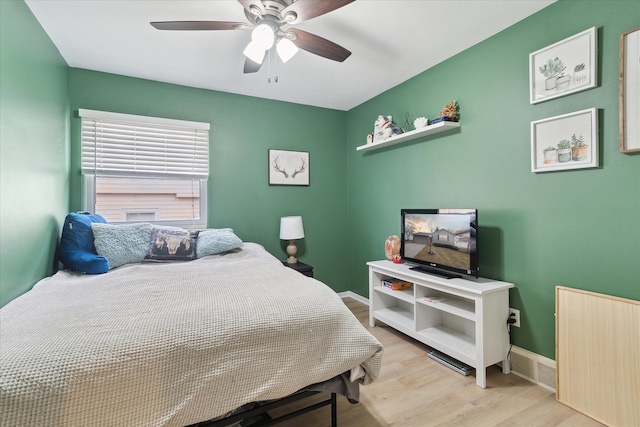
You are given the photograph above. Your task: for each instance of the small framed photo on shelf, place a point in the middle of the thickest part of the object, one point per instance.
(569, 141)
(288, 167)
(565, 67)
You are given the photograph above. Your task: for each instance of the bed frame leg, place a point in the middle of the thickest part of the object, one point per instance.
(334, 410)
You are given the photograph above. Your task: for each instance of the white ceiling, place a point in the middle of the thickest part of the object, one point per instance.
(390, 41)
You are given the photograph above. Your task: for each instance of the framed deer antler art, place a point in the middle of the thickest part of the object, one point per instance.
(288, 167)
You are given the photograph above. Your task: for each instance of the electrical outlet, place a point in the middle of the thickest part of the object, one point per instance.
(516, 315)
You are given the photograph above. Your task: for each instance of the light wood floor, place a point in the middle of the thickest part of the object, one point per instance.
(414, 390)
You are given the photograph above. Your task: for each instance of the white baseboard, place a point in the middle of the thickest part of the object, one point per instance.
(357, 297)
(531, 366)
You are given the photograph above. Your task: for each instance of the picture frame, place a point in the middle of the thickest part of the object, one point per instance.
(287, 167)
(568, 141)
(630, 91)
(565, 67)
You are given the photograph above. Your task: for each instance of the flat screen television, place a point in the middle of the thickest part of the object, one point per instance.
(442, 242)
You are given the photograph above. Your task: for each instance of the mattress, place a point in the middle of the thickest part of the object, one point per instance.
(172, 344)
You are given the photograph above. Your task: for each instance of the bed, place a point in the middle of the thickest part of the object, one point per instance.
(174, 344)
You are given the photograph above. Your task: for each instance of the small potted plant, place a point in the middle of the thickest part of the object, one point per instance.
(550, 155)
(578, 148)
(564, 151)
(551, 70)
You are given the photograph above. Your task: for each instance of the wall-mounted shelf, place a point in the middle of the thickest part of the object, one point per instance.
(413, 134)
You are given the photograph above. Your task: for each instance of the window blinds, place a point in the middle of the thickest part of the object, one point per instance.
(128, 145)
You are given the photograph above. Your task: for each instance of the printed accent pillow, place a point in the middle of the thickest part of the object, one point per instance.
(216, 241)
(76, 250)
(123, 243)
(172, 244)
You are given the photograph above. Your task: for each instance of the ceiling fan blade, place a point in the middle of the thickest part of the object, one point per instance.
(257, 4)
(307, 9)
(319, 46)
(252, 67)
(198, 25)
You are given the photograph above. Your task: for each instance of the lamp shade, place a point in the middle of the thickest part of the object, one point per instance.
(263, 35)
(291, 228)
(286, 49)
(254, 52)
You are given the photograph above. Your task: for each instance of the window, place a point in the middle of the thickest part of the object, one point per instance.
(138, 168)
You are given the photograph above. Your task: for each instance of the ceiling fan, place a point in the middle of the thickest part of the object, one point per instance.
(266, 19)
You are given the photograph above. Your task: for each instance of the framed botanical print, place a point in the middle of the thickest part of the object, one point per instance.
(630, 91)
(564, 67)
(568, 141)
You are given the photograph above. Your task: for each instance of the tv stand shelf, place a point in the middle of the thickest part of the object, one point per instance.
(467, 321)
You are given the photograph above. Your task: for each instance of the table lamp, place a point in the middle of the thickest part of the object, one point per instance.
(291, 229)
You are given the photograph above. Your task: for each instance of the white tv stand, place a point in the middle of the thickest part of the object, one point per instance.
(469, 324)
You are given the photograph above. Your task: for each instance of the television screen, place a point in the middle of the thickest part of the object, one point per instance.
(441, 241)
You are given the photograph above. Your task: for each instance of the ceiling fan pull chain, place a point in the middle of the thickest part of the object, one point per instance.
(270, 53)
(269, 66)
(275, 64)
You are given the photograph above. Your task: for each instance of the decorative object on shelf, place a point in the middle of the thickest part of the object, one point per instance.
(564, 132)
(288, 167)
(384, 128)
(450, 113)
(369, 138)
(392, 247)
(420, 122)
(451, 110)
(397, 259)
(629, 91)
(291, 228)
(439, 119)
(396, 284)
(408, 119)
(547, 66)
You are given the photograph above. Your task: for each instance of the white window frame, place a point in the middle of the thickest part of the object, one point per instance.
(89, 176)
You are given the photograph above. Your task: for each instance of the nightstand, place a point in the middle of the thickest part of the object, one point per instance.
(303, 268)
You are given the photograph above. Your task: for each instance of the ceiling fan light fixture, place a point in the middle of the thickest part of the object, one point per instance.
(254, 52)
(286, 49)
(264, 36)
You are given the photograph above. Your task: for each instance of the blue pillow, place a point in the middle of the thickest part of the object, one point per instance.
(76, 250)
(211, 242)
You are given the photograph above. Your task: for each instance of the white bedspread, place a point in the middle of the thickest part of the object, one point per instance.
(172, 344)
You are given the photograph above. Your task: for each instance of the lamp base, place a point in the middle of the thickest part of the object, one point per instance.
(292, 249)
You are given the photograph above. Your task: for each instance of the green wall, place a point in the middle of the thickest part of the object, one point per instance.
(33, 150)
(576, 228)
(242, 130)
